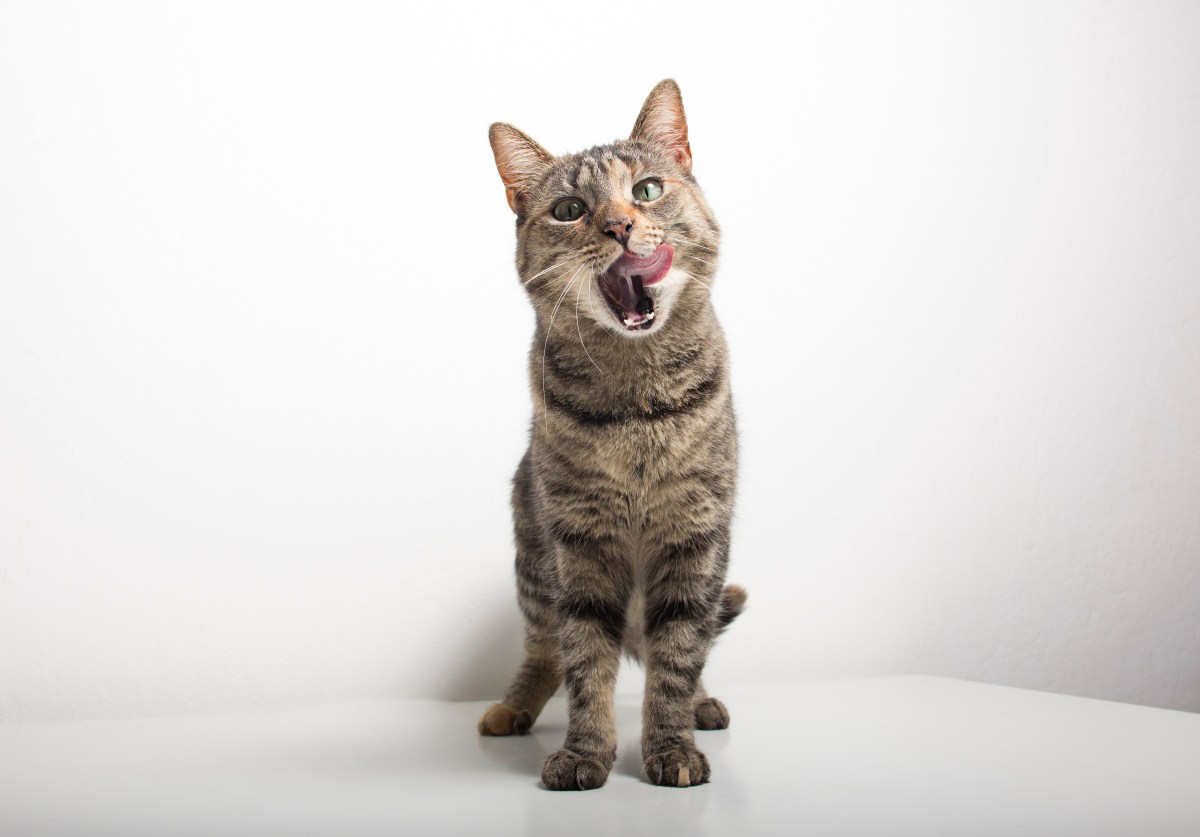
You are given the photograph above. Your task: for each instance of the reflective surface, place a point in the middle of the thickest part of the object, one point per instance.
(893, 756)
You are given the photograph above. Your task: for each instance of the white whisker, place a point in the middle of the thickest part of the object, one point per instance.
(579, 331)
(693, 243)
(697, 258)
(592, 303)
(540, 272)
(698, 281)
(546, 343)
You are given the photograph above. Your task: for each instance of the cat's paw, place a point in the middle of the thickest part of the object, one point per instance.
(711, 714)
(565, 770)
(677, 768)
(499, 719)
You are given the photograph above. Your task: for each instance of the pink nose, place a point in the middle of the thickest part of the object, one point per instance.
(619, 228)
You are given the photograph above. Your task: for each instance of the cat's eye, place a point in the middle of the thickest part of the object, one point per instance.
(649, 189)
(569, 209)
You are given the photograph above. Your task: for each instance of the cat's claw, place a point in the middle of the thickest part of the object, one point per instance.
(680, 768)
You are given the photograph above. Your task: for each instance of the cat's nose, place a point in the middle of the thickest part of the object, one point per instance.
(619, 228)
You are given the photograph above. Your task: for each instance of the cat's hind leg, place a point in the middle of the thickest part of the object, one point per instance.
(709, 712)
(536, 681)
(541, 672)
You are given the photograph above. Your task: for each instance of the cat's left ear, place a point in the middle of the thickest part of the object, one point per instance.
(662, 123)
(520, 160)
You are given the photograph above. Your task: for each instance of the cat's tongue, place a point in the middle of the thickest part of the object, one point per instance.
(625, 281)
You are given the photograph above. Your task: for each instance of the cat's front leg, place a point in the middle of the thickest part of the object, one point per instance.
(594, 588)
(681, 608)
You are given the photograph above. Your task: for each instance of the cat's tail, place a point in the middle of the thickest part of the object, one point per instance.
(733, 602)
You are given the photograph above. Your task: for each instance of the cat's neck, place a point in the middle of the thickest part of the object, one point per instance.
(606, 370)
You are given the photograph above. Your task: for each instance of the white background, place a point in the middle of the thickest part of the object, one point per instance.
(262, 349)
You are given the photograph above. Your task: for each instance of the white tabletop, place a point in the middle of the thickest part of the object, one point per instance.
(885, 756)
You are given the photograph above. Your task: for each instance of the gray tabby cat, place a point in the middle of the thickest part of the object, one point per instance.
(623, 501)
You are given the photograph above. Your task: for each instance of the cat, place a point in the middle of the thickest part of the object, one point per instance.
(622, 503)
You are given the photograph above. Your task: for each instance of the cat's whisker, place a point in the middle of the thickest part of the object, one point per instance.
(547, 270)
(546, 342)
(697, 280)
(697, 258)
(592, 303)
(693, 243)
(578, 330)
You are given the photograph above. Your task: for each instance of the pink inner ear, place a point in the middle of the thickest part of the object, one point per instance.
(684, 155)
(672, 138)
(519, 160)
(677, 145)
(662, 123)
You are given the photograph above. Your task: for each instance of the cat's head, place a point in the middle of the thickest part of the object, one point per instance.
(620, 232)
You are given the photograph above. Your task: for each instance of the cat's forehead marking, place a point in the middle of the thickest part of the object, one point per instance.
(599, 171)
(589, 172)
(628, 159)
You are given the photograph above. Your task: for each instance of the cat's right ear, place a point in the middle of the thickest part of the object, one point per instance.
(520, 160)
(663, 124)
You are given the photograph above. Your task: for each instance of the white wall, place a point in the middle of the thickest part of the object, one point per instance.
(262, 349)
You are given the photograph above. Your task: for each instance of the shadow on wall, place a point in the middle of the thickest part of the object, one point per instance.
(485, 660)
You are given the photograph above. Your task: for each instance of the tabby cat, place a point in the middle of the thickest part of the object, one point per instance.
(622, 503)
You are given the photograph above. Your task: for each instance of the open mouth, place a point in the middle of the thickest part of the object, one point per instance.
(624, 285)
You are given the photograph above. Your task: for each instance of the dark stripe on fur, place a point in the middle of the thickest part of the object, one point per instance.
(690, 549)
(664, 611)
(571, 372)
(582, 541)
(692, 398)
(609, 615)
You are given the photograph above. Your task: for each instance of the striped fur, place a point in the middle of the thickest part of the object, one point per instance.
(622, 503)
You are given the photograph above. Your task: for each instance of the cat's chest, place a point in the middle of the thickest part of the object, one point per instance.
(637, 456)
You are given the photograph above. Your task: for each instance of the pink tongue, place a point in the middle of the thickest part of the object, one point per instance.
(649, 269)
(628, 275)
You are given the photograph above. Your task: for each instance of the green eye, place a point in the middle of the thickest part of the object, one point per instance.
(569, 209)
(649, 189)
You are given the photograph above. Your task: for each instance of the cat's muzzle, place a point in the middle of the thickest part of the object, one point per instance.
(624, 285)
